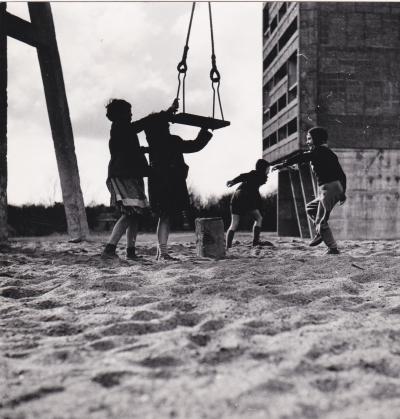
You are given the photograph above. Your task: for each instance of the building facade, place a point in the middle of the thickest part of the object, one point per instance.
(335, 65)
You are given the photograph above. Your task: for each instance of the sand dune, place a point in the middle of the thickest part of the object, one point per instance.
(281, 332)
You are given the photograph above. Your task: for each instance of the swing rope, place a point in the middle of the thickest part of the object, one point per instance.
(214, 73)
(182, 66)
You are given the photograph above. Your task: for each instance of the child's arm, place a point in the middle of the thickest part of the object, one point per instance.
(203, 137)
(241, 178)
(143, 123)
(303, 157)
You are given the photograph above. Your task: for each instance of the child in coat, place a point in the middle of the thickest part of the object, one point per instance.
(126, 170)
(168, 191)
(331, 184)
(247, 199)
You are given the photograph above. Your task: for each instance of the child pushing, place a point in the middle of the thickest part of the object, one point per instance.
(168, 191)
(331, 184)
(247, 199)
(126, 170)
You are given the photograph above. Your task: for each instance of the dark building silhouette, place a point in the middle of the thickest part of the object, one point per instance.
(336, 65)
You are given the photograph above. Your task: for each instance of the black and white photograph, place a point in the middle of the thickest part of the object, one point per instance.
(199, 210)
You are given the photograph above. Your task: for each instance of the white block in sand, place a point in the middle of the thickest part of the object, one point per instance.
(210, 239)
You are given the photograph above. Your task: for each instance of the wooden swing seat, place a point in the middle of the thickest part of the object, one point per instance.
(199, 121)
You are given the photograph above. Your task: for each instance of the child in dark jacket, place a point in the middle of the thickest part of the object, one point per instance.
(126, 170)
(168, 191)
(247, 199)
(331, 184)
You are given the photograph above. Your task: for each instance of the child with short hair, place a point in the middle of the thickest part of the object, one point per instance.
(247, 199)
(126, 170)
(331, 184)
(168, 191)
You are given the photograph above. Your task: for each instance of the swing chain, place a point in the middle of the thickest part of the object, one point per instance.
(182, 66)
(215, 76)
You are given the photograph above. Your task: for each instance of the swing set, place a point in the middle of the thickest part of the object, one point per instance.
(185, 118)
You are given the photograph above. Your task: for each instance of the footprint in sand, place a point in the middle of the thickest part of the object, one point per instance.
(138, 328)
(200, 339)
(326, 385)
(383, 391)
(135, 301)
(16, 293)
(62, 329)
(171, 305)
(212, 325)
(144, 315)
(274, 386)
(160, 361)
(28, 397)
(109, 379)
(103, 345)
(222, 355)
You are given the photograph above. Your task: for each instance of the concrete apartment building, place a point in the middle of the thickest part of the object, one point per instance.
(336, 65)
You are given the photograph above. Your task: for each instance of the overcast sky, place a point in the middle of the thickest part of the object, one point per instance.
(130, 51)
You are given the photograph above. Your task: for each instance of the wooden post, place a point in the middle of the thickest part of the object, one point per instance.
(286, 213)
(57, 107)
(299, 204)
(3, 124)
(210, 240)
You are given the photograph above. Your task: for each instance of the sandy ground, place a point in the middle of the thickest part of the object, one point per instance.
(281, 332)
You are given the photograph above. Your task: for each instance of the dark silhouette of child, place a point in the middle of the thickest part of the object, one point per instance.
(247, 199)
(331, 184)
(168, 191)
(126, 169)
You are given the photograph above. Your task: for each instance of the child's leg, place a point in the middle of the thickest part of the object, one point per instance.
(327, 202)
(231, 231)
(257, 226)
(119, 229)
(131, 234)
(312, 209)
(162, 235)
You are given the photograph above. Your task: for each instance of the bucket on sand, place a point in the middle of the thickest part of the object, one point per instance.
(210, 238)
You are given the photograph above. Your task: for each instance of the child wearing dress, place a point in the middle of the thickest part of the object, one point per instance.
(331, 184)
(247, 199)
(126, 170)
(168, 191)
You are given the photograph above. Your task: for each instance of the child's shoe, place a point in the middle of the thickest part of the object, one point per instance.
(316, 240)
(333, 251)
(109, 252)
(166, 257)
(131, 253)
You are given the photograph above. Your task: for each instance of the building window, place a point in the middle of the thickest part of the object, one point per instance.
(292, 126)
(273, 110)
(280, 74)
(282, 102)
(265, 20)
(272, 139)
(292, 94)
(270, 57)
(282, 133)
(292, 70)
(290, 31)
(274, 23)
(282, 10)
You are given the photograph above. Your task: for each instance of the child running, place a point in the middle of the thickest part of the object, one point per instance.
(331, 185)
(247, 199)
(126, 169)
(168, 191)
